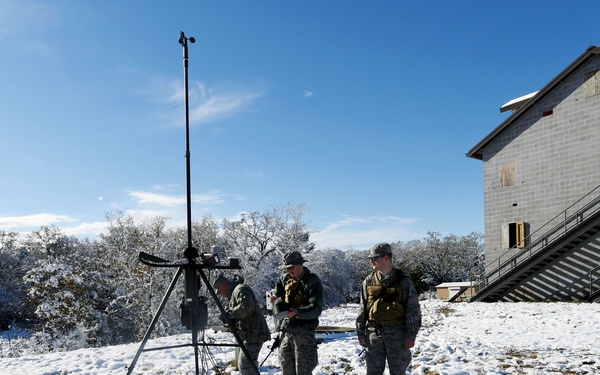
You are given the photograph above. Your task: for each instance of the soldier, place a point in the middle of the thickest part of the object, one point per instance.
(302, 292)
(389, 315)
(247, 315)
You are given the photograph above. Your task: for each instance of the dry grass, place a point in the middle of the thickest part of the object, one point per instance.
(446, 310)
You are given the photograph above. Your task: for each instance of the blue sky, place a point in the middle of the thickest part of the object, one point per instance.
(362, 111)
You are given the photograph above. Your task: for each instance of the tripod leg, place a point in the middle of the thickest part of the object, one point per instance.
(195, 344)
(154, 321)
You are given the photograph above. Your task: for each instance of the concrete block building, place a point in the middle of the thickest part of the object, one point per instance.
(541, 181)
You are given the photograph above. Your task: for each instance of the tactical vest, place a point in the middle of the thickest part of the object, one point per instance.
(294, 295)
(385, 303)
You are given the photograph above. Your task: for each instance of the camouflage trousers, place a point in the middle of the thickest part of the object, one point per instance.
(387, 343)
(245, 365)
(298, 353)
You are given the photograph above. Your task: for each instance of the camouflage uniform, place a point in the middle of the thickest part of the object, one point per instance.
(246, 312)
(388, 315)
(298, 353)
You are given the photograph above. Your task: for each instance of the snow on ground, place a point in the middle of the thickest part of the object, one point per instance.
(456, 338)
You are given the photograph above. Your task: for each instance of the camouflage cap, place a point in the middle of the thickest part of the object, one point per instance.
(379, 250)
(293, 258)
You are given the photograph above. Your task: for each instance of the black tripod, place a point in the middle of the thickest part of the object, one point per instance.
(194, 314)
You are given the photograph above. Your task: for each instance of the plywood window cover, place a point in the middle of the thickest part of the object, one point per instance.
(508, 175)
(592, 83)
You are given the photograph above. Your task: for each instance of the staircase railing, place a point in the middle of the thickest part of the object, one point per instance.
(458, 294)
(554, 229)
(593, 280)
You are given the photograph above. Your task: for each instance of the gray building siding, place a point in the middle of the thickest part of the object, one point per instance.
(556, 160)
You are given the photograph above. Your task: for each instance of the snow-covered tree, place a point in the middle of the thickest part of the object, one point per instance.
(13, 293)
(64, 288)
(451, 258)
(259, 237)
(407, 257)
(61, 301)
(360, 267)
(136, 289)
(334, 270)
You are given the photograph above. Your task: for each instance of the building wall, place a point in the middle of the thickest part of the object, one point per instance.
(556, 160)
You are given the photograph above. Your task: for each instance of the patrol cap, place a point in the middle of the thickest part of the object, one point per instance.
(219, 281)
(379, 250)
(293, 258)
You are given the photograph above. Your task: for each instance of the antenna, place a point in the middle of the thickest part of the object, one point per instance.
(190, 253)
(194, 312)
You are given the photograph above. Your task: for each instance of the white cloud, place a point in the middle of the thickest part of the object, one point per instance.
(364, 232)
(25, 25)
(142, 214)
(307, 94)
(175, 201)
(85, 229)
(20, 18)
(24, 224)
(212, 104)
(35, 220)
(149, 204)
(146, 197)
(206, 104)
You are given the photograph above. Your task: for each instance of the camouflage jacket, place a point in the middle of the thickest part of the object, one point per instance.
(246, 312)
(395, 292)
(308, 300)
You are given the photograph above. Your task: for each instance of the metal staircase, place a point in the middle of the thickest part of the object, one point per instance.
(594, 281)
(572, 227)
(458, 295)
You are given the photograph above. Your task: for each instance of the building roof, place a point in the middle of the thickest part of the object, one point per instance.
(457, 284)
(517, 103)
(528, 101)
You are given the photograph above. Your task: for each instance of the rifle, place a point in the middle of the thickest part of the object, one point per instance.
(277, 341)
(273, 347)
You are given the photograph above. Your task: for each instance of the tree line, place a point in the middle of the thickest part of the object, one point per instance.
(71, 293)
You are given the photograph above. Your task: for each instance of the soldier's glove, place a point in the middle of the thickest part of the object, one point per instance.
(362, 340)
(408, 343)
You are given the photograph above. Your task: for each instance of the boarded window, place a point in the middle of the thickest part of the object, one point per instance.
(592, 83)
(508, 175)
(513, 235)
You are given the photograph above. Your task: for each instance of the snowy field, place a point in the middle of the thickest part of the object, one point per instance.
(457, 338)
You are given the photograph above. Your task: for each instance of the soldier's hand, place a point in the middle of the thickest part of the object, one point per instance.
(362, 340)
(409, 344)
(292, 313)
